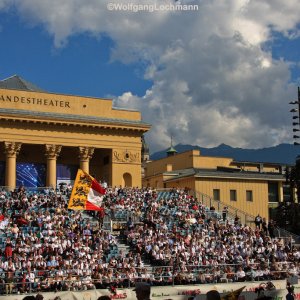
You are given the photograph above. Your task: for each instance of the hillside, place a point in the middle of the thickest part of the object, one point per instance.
(283, 153)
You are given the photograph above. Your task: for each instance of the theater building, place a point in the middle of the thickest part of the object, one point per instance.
(45, 137)
(219, 181)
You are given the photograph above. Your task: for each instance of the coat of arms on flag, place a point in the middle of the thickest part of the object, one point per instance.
(87, 193)
(234, 295)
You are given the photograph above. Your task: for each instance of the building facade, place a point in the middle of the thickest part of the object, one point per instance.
(246, 186)
(43, 134)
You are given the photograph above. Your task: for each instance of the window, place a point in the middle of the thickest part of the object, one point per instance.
(249, 196)
(273, 191)
(216, 194)
(232, 195)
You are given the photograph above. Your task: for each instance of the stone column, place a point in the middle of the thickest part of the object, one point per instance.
(12, 149)
(280, 191)
(85, 154)
(52, 152)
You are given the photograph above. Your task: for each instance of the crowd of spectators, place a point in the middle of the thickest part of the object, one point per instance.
(199, 246)
(46, 247)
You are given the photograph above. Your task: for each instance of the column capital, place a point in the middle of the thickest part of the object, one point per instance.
(12, 149)
(52, 151)
(86, 153)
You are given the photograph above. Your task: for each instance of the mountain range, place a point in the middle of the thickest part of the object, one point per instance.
(282, 153)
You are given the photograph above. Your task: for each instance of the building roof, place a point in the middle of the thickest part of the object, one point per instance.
(171, 150)
(214, 173)
(69, 117)
(254, 163)
(15, 82)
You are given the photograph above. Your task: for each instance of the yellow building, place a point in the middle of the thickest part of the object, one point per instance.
(45, 133)
(248, 188)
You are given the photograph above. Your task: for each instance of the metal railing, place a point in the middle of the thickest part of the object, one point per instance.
(282, 233)
(233, 212)
(209, 202)
(45, 280)
(34, 190)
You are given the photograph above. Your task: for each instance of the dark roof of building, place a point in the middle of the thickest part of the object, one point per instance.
(171, 150)
(223, 174)
(15, 82)
(265, 163)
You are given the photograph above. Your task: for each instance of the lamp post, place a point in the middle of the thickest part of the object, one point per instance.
(286, 211)
(294, 179)
(296, 117)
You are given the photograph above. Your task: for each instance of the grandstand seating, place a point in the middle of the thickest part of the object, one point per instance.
(185, 242)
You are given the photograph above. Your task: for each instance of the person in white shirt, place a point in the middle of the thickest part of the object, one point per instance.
(30, 277)
(240, 274)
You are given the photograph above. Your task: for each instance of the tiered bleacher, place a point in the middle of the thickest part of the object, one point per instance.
(173, 239)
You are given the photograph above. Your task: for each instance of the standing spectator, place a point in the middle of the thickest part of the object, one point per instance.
(258, 221)
(236, 220)
(8, 249)
(101, 215)
(104, 184)
(22, 285)
(224, 213)
(130, 224)
(9, 281)
(290, 294)
(30, 278)
(271, 228)
(264, 226)
(15, 230)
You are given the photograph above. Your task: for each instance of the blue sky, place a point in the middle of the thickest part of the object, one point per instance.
(82, 67)
(221, 74)
(287, 49)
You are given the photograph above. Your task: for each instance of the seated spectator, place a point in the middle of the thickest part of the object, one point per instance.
(176, 231)
(258, 274)
(240, 274)
(9, 282)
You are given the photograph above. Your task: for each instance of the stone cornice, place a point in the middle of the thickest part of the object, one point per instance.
(72, 120)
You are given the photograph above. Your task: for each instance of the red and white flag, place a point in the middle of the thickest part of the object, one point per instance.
(87, 193)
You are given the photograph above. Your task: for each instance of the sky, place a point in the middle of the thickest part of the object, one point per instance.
(206, 73)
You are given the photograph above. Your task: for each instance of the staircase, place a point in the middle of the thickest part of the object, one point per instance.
(244, 217)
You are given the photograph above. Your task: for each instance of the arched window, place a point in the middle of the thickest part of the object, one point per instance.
(127, 179)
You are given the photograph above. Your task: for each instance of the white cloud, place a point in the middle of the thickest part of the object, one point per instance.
(213, 82)
(5, 4)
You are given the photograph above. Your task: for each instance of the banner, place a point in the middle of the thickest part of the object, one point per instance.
(87, 193)
(182, 292)
(31, 175)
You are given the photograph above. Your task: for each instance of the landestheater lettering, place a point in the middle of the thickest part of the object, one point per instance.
(35, 101)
